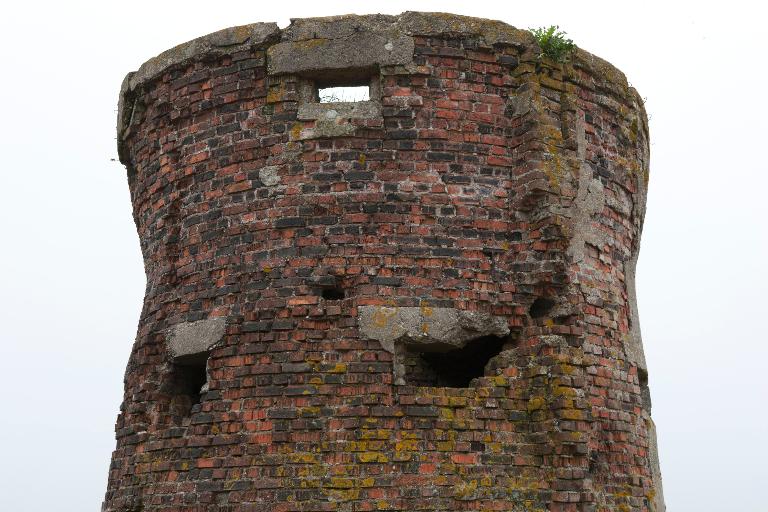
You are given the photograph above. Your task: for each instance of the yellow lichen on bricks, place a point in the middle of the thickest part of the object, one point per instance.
(304, 458)
(368, 457)
(465, 490)
(410, 445)
(275, 92)
(309, 44)
(296, 129)
(536, 403)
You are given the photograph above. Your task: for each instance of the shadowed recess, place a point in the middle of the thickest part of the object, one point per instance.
(454, 368)
(189, 377)
(541, 307)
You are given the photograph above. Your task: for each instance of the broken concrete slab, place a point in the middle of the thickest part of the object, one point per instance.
(432, 329)
(193, 338)
(368, 50)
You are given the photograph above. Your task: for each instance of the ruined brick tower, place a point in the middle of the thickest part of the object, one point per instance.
(419, 301)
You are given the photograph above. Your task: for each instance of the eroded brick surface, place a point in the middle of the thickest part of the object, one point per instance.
(483, 179)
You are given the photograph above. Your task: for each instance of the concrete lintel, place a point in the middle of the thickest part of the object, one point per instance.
(193, 338)
(343, 110)
(435, 329)
(364, 50)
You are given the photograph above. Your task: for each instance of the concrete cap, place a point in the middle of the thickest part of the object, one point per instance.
(194, 338)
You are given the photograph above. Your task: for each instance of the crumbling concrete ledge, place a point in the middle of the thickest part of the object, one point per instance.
(432, 329)
(190, 339)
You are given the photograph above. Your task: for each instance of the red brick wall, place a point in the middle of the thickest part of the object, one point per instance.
(471, 191)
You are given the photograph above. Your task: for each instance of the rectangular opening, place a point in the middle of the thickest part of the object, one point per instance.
(451, 368)
(341, 96)
(344, 93)
(189, 381)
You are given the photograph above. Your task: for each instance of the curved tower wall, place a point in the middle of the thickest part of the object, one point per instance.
(423, 301)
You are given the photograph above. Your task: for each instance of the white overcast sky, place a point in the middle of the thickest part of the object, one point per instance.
(73, 282)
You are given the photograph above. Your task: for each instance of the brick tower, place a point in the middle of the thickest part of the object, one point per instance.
(419, 299)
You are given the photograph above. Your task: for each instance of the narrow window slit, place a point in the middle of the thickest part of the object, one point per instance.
(642, 377)
(190, 380)
(454, 368)
(645, 392)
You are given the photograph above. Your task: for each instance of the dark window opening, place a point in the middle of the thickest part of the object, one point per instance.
(593, 462)
(642, 377)
(332, 293)
(190, 381)
(645, 392)
(541, 307)
(453, 368)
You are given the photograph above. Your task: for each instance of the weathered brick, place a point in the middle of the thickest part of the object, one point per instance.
(427, 308)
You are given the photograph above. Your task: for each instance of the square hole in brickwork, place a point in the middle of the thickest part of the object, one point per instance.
(344, 93)
(451, 368)
(190, 381)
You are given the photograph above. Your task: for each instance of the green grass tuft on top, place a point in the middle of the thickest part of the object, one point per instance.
(554, 43)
